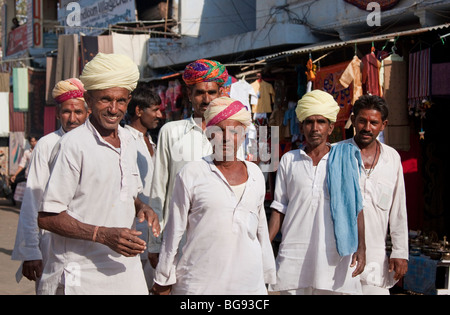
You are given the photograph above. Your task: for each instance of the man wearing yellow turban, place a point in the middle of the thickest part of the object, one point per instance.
(309, 262)
(91, 200)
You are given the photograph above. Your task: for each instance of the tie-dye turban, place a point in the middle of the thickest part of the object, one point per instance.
(317, 102)
(106, 71)
(205, 70)
(68, 89)
(223, 108)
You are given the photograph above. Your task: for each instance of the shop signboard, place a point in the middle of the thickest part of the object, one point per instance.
(17, 40)
(93, 17)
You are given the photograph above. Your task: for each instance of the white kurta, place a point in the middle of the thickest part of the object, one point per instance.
(96, 184)
(32, 243)
(146, 165)
(307, 257)
(227, 250)
(384, 208)
(179, 142)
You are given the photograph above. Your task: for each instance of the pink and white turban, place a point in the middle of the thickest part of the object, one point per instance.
(68, 89)
(223, 108)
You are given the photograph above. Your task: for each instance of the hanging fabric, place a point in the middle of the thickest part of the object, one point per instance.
(20, 89)
(419, 80)
(327, 79)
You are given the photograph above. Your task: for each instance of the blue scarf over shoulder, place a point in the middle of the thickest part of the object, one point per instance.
(344, 165)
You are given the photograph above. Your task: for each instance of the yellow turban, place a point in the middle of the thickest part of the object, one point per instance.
(223, 108)
(106, 71)
(317, 102)
(68, 89)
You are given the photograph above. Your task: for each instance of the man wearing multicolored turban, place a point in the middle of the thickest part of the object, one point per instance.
(32, 246)
(228, 234)
(184, 140)
(91, 200)
(310, 263)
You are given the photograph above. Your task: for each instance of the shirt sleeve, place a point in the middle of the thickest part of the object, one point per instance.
(160, 184)
(165, 273)
(398, 222)
(266, 246)
(63, 180)
(27, 236)
(280, 200)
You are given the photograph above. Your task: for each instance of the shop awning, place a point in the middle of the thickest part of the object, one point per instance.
(336, 44)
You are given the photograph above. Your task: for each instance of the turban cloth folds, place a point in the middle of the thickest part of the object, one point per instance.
(317, 102)
(106, 71)
(205, 70)
(68, 89)
(224, 108)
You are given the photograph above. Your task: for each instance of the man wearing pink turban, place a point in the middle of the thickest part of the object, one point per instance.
(184, 140)
(227, 233)
(32, 244)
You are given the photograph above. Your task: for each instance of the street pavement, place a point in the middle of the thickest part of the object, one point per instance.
(9, 216)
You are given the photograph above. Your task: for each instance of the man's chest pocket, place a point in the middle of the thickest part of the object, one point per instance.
(384, 195)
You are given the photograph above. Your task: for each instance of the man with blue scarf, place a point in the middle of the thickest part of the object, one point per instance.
(383, 190)
(322, 250)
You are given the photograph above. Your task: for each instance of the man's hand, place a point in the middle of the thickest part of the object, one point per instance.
(358, 260)
(121, 240)
(400, 266)
(32, 269)
(144, 212)
(161, 290)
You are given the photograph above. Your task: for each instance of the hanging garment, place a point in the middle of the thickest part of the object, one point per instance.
(353, 74)
(20, 89)
(67, 62)
(50, 78)
(419, 77)
(105, 44)
(89, 48)
(49, 119)
(4, 114)
(243, 92)
(266, 96)
(371, 74)
(396, 134)
(16, 119)
(133, 46)
(327, 79)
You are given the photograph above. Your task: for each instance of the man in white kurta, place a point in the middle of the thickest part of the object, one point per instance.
(90, 202)
(86, 267)
(144, 113)
(183, 141)
(227, 248)
(383, 189)
(308, 261)
(384, 209)
(32, 244)
(307, 257)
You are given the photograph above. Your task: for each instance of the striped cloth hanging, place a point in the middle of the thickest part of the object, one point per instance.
(419, 77)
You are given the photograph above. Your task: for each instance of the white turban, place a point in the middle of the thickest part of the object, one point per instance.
(317, 102)
(106, 71)
(223, 108)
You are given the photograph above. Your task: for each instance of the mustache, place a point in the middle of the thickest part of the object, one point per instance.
(366, 133)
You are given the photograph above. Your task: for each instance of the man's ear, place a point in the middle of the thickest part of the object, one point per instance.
(384, 124)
